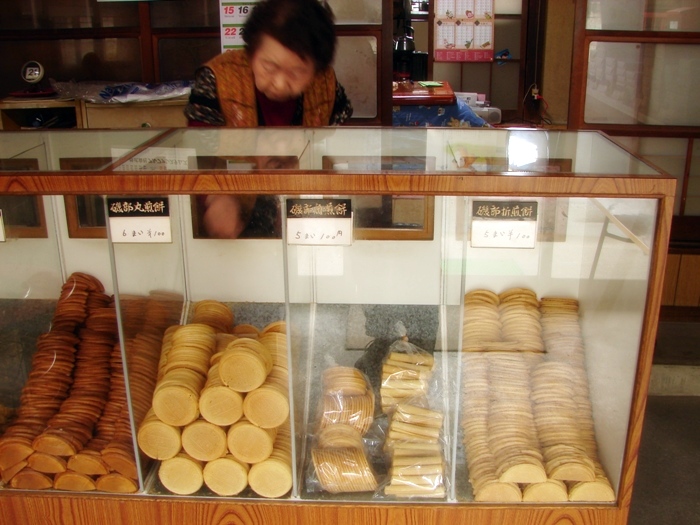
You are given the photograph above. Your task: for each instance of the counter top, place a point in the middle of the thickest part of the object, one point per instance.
(412, 93)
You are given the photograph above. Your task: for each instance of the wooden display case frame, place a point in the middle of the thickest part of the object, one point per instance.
(17, 227)
(98, 509)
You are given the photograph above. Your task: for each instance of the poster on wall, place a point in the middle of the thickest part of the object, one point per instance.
(463, 31)
(233, 15)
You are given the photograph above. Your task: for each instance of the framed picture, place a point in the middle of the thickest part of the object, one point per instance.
(23, 215)
(85, 214)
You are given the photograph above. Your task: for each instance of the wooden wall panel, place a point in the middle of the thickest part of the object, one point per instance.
(688, 289)
(668, 294)
(556, 70)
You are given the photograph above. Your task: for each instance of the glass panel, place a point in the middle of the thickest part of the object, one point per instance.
(107, 59)
(667, 154)
(44, 345)
(692, 202)
(518, 150)
(27, 303)
(350, 307)
(672, 15)
(366, 150)
(23, 151)
(178, 58)
(73, 150)
(448, 149)
(483, 312)
(617, 15)
(68, 14)
(151, 299)
(356, 12)
(366, 325)
(508, 7)
(197, 13)
(356, 69)
(643, 15)
(653, 84)
(273, 149)
(600, 260)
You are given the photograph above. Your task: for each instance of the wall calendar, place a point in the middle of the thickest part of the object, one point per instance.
(232, 16)
(463, 31)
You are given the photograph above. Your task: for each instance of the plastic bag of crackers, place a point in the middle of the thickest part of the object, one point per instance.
(414, 440)
(340, 462)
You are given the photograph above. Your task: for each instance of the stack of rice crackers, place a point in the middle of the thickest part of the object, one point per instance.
(526, 414)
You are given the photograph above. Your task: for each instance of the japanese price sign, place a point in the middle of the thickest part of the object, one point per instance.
(501, 224)
(325, 222)
(139, 219)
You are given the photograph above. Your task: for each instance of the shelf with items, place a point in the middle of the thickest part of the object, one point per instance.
(154, 114)
(352, 318)
(25, 113)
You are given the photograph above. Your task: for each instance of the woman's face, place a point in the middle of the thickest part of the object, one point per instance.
(280, 73)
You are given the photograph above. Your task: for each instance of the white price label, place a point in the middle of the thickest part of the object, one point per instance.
(503, 234)
(320, 232)
(140, 230)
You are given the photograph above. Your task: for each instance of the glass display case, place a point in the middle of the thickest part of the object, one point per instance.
(368, 324)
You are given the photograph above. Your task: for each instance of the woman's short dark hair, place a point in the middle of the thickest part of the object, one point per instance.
(306, 27)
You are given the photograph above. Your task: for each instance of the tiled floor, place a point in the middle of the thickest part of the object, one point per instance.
(678, 343)
(667, 487)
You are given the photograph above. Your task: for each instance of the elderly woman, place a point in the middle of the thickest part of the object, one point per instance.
(283, 75)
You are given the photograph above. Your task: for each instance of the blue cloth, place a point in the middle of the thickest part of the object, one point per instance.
(138, 92)
(458, 115)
